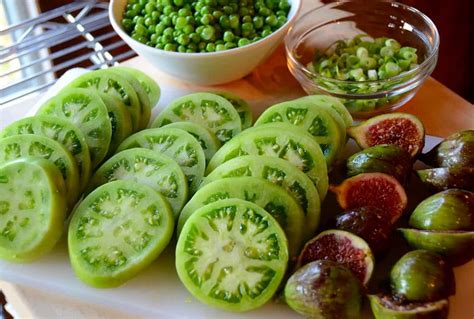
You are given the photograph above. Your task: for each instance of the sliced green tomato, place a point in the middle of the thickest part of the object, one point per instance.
(120, 120)
(206, 109)
(146, 167)
(232, 255)
(116, 231)
(281, 173)
(38, 146)
(104, 81)
(322, 102)
(277, 140)
(32, 209)
(145, 104)
(335, 104)
(274, 199)
(178, 145)
(208, 140)
(150, 86)
(241, 106)
(315, 121)
(88, 113)
(61, 131)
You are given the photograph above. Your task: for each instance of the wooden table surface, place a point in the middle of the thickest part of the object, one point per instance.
(442, 112)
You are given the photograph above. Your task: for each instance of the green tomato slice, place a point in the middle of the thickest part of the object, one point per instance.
(281, 140)
(88, 113)
(335, 104)
(61, 131)
(282, 173)
(208, 140)
(178, 145)
(274, 199)
(146, 167)
(145, 104)
(241, 106)
(232, 255)
(32, 209)
(116, 231)
(315, 121)
(120, 121)
(150, 86)
(206, 109)
(38, 146)
(104, 81)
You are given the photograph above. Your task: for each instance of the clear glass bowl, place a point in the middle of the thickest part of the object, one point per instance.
(322, 27)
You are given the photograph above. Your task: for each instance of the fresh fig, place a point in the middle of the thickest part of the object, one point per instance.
(372, 190)
(438, 179)
(324, 289)
(370, 224)
(402, 129)
(384, 307)
(446, 243)
(342, 247)
(421, 276)
(455, 151)
(390, 159)
(452, 209)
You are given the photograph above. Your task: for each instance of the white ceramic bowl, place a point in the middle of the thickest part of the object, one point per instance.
(205, 68)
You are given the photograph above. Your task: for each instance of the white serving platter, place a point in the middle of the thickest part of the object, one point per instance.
(157, 291)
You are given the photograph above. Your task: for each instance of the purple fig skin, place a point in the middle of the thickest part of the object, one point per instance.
(443, 178)
(455, 151)
(370, 224)
(324, 289)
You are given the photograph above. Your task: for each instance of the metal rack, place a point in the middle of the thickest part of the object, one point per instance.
(44, 47)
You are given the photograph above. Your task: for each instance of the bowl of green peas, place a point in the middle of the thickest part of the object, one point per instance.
(204, 42)
(373, 55)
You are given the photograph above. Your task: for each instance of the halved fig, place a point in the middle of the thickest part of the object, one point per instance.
(384, 307)
(370, 224)
(390, 159)
(324, 289)
(452, 209)
(342, 247)
(372, 190)
(421, 276)
(446, 243)
(438, 179)
(455, 151)
(402, 129)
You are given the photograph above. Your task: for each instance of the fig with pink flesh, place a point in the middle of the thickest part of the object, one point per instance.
(377, 190)
(455, 151)
(370, 224)
(342, 247)
(326, 290)
(385, 307)
(438, 179)
(402, 129)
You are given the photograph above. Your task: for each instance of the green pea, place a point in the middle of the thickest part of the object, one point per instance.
(258, 22)
(220, 47)
(210, 47)
(228, 36)
(188, 29)
(230, 45)
(266, 33)
(234, 21)
(208, 33)
(154, 38)
(180, 22)
(217, 14)
(167, 10)
(166, 21)
(166, 39)
(170, 47)
(140, 30)
(228, 10)
(202, 46)
(149, 7)
(243, 41)
(178, 3)
(271, 20)
(195, 37)
(224, 21)
(207, 19)
(181, 48)
(127, 24)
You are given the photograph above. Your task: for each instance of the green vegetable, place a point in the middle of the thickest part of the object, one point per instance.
(32, 208)
(274, 199)
(214, 25)
(116, 231)
(175, 143)
(232, 254)
(362, 60)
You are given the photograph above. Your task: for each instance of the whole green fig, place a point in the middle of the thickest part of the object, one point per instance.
(384, 307)
(452, 209)
(421, 275)
(455, 151)
(390, 159)
(324, 289)
(442, 178)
